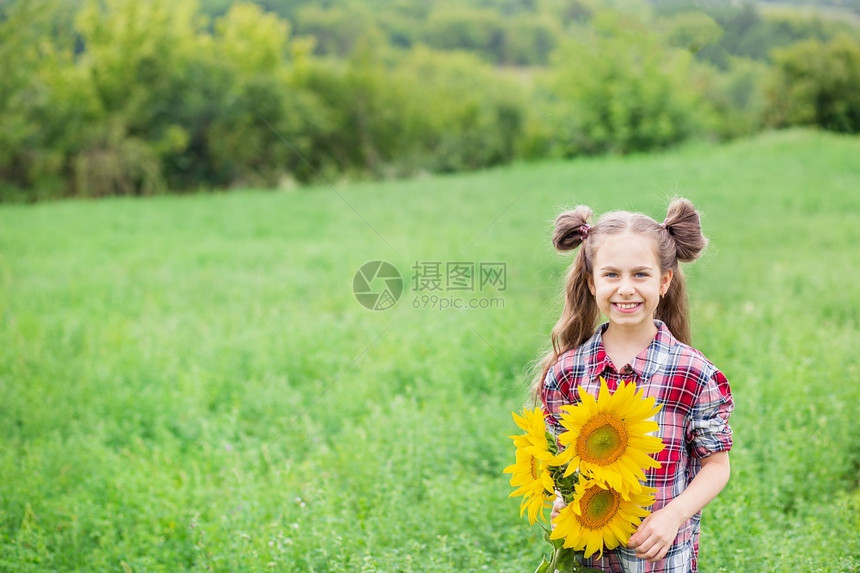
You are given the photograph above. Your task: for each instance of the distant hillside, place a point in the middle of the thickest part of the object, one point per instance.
(848, 11)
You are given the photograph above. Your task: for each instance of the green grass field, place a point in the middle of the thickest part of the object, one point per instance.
(188, 383)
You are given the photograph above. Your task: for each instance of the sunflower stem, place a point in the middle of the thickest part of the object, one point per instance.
(551, 445)
(565, 560)
(553, 563)
(564, 485)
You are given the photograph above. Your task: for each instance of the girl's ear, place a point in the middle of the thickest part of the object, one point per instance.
(590, 282)
(665, 281)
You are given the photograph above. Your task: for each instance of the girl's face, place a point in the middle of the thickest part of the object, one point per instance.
(626, 280)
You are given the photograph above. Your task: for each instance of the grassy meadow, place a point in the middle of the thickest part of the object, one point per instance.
(188, 382)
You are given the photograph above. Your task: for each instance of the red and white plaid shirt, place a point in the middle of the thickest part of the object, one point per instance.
(693, 423)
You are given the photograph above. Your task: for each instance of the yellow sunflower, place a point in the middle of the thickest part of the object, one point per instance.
(606, 439)
(530, 474)
(599, 516)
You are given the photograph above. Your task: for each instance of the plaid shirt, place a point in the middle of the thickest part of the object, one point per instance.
(693, 423)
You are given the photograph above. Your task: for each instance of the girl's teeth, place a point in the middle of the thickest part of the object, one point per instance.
(627, 306)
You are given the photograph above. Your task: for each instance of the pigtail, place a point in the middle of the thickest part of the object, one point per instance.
(571, 227)
(685, 243)
(684, 226)
(674, 308)
(579, 317)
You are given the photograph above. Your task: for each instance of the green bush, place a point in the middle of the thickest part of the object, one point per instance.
(476, 30)
(138, 58)
(530, 40)
(619, 90)
(44, 105)
(336, 31)
(692, 30)
(817, 84)
(464, 114)
(736, 96)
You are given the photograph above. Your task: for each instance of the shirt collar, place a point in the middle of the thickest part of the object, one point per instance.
(596, 358)
(644, 365)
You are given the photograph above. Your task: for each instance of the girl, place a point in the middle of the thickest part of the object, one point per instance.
(627, 269)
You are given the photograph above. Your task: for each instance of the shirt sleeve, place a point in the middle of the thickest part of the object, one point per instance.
(553, 398)
(709, 427)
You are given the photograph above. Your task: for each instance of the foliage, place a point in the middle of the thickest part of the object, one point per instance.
(118, 97)
(619, 90)
(692, 31)
(256, 102)
(43, 102)
(469, 29)
(335, 31)
(817, 84)
(467, 115)
(736, 96)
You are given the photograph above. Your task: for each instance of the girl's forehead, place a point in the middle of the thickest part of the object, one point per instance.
(626, 247)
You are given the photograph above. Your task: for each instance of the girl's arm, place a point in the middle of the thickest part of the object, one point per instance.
(656, 533)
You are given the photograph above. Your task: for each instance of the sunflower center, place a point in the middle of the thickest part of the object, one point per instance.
(599, 506)
(602, 440)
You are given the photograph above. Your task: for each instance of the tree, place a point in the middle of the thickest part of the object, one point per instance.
(44, 100)
(620, 90)
(817, 84)
(139, 58)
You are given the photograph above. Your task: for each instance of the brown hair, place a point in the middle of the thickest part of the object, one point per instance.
(678, 239)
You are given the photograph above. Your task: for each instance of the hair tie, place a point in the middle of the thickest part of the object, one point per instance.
(583, 231)
(665, 227)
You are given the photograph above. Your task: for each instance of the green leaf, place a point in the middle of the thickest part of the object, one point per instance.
(550, 442)
(567, 562)
(543, 567)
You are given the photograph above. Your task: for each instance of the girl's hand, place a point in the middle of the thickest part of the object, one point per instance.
(655, 535)
(557, 506)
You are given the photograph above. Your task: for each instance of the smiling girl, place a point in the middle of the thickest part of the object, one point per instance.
(627, 270)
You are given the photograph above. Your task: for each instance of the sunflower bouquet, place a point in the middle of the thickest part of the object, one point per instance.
(598, 473)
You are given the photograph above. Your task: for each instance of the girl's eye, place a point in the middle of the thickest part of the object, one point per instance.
(641, 275)
(610, 275)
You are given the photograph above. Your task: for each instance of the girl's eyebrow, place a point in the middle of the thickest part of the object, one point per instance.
(635, 269)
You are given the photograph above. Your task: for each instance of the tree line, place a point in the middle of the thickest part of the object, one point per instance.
(121, 97)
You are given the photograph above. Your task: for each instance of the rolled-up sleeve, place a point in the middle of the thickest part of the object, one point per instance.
(709, 430)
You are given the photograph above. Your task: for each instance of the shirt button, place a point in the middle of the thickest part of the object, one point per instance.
(627, 369)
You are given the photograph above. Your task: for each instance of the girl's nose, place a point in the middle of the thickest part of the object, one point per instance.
(625, 288)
